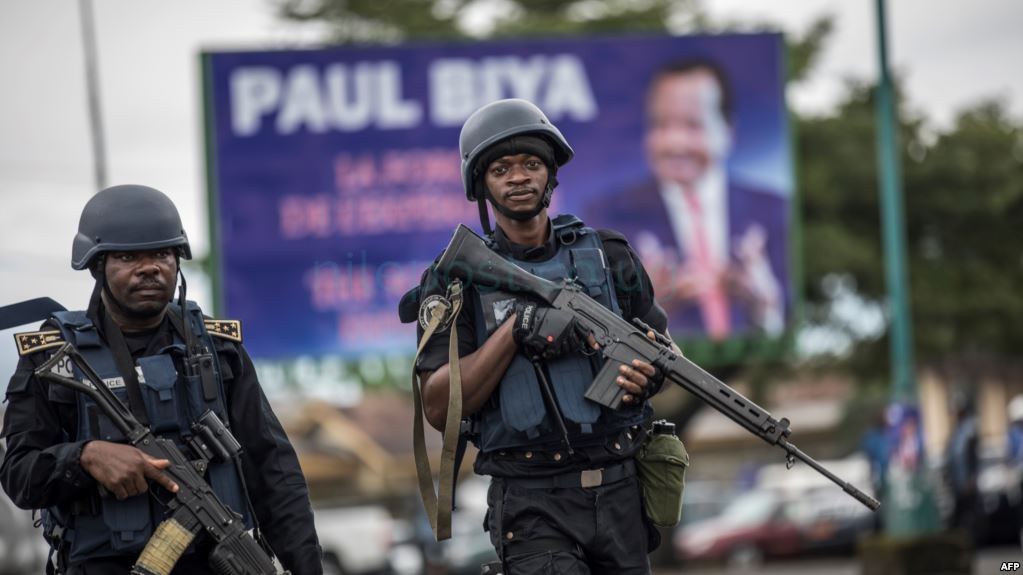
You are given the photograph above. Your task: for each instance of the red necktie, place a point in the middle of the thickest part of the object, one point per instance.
(713, 301)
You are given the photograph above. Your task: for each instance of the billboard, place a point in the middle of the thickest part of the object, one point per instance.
(334, 175)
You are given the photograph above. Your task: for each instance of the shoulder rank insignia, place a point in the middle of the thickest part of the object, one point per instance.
(33, 341)
(226, 328)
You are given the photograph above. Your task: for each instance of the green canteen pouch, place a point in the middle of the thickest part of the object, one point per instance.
(662, 464)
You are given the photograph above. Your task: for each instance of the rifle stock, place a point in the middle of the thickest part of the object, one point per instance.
(468, 258)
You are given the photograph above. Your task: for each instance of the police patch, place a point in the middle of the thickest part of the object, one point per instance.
(63, 367)
(435, 306)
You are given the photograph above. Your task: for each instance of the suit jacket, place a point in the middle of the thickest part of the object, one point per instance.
(640, 213)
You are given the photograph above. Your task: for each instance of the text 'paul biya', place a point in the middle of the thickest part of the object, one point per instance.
(370, 95)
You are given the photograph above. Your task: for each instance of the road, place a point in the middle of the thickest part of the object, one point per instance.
(988, 560)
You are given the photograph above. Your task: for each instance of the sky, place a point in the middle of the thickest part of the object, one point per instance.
(951, 54)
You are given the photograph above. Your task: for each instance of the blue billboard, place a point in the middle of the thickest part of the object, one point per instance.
(334, 175)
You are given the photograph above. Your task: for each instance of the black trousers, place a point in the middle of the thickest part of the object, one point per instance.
(569, 531)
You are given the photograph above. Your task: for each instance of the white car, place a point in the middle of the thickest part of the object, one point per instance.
(22, 547)
(356, 540)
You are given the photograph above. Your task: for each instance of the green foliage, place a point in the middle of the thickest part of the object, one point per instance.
(804, 52)
(838, 184)
(963, 198)
(378, 21)
(384, 21)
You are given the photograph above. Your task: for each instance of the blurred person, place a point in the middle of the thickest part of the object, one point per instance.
(1014, 457)
(551, 509)
(714, 247)
(1014, 449)
(963, 459)
(61, 450)
(875, 445)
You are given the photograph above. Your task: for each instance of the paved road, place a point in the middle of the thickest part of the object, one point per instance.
(987, 561)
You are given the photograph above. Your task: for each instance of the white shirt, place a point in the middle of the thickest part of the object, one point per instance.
(712, 193)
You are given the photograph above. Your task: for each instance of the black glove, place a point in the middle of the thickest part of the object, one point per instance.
(546, 331)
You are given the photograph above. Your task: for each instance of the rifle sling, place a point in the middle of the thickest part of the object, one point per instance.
(126, 367)
(440, 503)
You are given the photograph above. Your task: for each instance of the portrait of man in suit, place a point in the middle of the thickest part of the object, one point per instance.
(715, 246)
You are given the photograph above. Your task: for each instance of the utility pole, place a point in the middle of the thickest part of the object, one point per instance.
(99, 153)
(908, 503)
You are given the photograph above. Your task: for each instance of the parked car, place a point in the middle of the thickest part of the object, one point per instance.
(788, 512)
(22, 547)
(356, 540)
(463, 554)
(754, 526)
(1000, 499)
(830, 522)
(469, 546)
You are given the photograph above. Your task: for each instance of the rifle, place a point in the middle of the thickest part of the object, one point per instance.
(621, 342)
(195, 507)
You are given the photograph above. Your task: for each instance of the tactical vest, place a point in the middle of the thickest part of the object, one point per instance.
(172, 400)
(516, 415)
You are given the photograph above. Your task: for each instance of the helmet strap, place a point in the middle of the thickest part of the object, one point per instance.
(99, 272)
(552, 182)
(182, 289)
(484, 214)
(96, 299)
(103, 287)
(110, 295)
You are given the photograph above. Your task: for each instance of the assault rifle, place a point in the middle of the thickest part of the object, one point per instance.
(469, 259)
(195, 507)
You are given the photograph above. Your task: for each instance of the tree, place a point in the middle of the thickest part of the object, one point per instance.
(391, 21)
(964, 216)
(963, 201)
(355, 21)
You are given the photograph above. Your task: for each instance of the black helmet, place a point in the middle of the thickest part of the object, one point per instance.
(127, 218)
(499, 121)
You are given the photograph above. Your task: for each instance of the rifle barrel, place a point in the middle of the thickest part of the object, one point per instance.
(870, 502)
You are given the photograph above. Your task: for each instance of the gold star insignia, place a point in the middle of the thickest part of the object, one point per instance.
(33, 341)
(229, 329)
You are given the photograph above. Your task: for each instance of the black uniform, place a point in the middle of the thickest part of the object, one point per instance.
(537, 522)
(42, 469)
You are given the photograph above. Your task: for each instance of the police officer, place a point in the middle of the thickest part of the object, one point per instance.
(564, 497)
(65, 458)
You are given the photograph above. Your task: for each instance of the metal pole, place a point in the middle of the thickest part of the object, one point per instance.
(909, 504)
(892, 217)
(92, 93)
